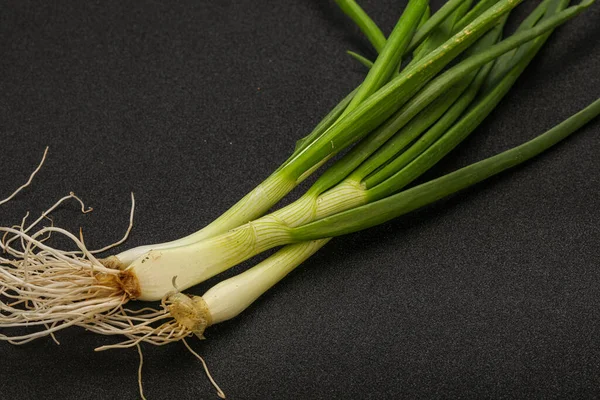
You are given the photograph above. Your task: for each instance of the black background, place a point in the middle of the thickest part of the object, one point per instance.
(492, 293)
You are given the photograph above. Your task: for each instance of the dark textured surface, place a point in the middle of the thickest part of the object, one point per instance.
(494, 293)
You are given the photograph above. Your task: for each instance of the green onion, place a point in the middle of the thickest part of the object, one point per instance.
(435, 20)
(403, 124)
(441, 32)
(401, 120)
(364, 22)
(346, 131)
(426, 25)
(507, 59)
(390, 56)
(361, 59)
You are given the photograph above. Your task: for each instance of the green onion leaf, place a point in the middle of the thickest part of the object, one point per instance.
(402, 203)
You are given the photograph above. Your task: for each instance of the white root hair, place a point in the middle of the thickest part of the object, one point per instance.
(47, 289)
(35, 171)
(44, 289)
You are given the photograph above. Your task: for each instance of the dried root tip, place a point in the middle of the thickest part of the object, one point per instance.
(190, 312)
(125, 281)
(113, 262)
(51, 289)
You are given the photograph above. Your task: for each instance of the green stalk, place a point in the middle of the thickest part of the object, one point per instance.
(361, 59)
(402, 203)
(391, 54)
(357, 156)
(443, 82)
(481, 7)
(426, 27)
(428, 138)
(367, 115)
(434, 21)
(441, 33)
(364, 22)
(471, 120)
(395, 180)
(445, 100)
(508, 60)
(383, 103)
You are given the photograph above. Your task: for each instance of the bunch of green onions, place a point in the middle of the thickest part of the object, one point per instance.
(435, 79)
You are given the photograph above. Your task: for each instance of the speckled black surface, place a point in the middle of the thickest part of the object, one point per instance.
(494, 293)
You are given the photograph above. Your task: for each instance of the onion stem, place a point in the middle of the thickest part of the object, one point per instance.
(346, 131)
(364, 22)
(402, 203)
